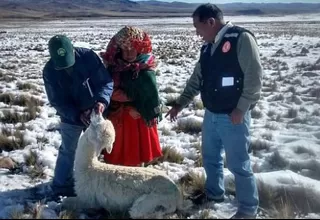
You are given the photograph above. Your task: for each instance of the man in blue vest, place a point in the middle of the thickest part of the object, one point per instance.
(228, 76)
(76, 82)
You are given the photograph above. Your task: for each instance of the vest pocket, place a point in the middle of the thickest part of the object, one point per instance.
(228, 92)
(222, 95)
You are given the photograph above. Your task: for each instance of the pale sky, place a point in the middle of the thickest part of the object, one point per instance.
(244, 1)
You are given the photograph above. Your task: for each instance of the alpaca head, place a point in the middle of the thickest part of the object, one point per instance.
(101, 132)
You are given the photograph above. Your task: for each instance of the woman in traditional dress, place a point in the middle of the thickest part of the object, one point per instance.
(135, 104)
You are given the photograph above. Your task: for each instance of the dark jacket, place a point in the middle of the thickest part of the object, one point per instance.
(71, 94)
(222, 77)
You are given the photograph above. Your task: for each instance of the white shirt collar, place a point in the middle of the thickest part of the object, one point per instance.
(223, 31)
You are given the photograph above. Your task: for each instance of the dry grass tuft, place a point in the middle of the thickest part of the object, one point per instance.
(15, 117)
(255, 113)
(198, 162)
(192, 183)
(170, 154)
(276, 160)
(315, 92)
(168, 89)
(37, 171)
(305, 150)
(292, 113)
(20, 100)
(37, 210)
(288, 202)
(198, 104)
(32, 211)
(165, 131)
(16, 214)
(189, 126)
(316, 112)
(205, 214)
(26, 86)
(32, 158)
(13, 142)
(259, 144)
(66, 214)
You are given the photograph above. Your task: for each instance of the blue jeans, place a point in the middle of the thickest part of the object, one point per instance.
(63, 181)
(218, 132)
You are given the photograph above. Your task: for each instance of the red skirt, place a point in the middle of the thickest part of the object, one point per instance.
(135, 142)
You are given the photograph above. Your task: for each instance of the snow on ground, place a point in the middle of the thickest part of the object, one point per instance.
(285, 123)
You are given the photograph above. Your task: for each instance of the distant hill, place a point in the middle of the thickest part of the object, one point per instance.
(125, 8)
(270, 8)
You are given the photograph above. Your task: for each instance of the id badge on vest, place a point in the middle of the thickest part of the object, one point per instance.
(227, 81)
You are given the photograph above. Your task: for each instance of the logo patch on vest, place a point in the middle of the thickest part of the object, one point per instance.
(226, 47)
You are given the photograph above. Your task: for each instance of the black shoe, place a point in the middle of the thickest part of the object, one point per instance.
(201, 198)
(240, 215)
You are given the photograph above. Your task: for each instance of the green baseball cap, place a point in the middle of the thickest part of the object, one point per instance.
(61, 52)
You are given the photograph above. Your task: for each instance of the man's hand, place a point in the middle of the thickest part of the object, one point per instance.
(99, 108)
(173, 112)
(85, 117)
(236, 116)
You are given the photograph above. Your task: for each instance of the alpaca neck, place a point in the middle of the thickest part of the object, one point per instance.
(85, 154)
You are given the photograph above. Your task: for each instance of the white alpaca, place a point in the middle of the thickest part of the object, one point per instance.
(144, 192)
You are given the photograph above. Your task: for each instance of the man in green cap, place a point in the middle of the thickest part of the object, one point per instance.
(76, 82)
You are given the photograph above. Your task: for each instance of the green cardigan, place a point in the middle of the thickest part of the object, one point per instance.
(143, 91)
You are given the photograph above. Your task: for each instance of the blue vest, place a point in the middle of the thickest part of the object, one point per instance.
(222, 77)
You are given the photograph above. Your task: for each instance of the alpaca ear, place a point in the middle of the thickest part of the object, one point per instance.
(109, 148)
(109, 135)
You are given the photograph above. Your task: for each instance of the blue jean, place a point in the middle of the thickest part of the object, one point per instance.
(219, 133)
(63, 181)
